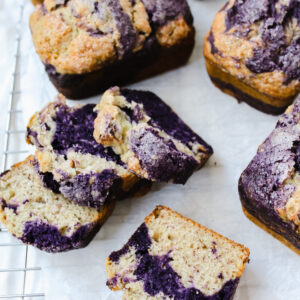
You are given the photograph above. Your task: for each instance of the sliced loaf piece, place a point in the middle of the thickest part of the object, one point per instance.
(172, 257)
(150, 138)
(71, 162)
(43, 219)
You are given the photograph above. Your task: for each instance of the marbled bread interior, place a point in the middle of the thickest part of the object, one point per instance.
(70, 161)
(269, 186)
(253, 52)
(150, 138)
(172, 257)
(43, 219)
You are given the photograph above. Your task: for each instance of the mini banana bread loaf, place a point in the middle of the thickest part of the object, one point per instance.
(269, 187)
(172, 257)
(90, 45)
(71, 162)
(253, 52)
(150, 138)
(43, 219)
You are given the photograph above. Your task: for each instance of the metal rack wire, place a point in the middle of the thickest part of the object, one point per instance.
(11, 130)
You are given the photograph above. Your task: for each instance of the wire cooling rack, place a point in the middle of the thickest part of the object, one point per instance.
(16, 271)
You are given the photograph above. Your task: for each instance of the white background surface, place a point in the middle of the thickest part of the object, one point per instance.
(210, 196)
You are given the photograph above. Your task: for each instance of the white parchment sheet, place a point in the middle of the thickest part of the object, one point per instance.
(210, 197)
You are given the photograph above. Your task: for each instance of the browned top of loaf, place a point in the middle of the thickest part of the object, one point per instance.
(78, 36)
(240, 44)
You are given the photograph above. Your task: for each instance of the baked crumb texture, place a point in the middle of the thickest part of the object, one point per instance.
(150, 138)
(270, 186)
(172, 257)
(252, 52)
(71, 162)
(90, 45)
(41, 218)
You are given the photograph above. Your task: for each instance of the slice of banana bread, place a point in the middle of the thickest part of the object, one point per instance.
(150, 138)
(43, 219)
(252, 52)
(172, 257)
(89, 45)
(270, 186)
(71, 162)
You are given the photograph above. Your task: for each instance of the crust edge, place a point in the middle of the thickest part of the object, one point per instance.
(268, 230)
(245, 93)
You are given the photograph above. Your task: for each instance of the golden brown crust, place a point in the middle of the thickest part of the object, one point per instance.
(134, 165)
(229, 62)
(216, 72)
(110, 274)
(75, 40)
(173, 32)
(30, 124)
(105, 213)
(291, 211)
(128, 181)
(273, 233)
(133, 69)
(243, 92)
(70, 51)
(44, 159)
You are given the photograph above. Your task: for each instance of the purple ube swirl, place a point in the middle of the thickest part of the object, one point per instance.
(160, 158)
(162, 11)
(140, 240)
(214, 49)
(74, 130)
(246, 12)
(276, 54)
(90, 189)
(262, 186)
(34, 134)
(48, 238)
(274, 163)
(13, 207)
(270, 168)
(159, 11)
(157, 274)
(122, 20)
(128, 34)
(163, 117)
